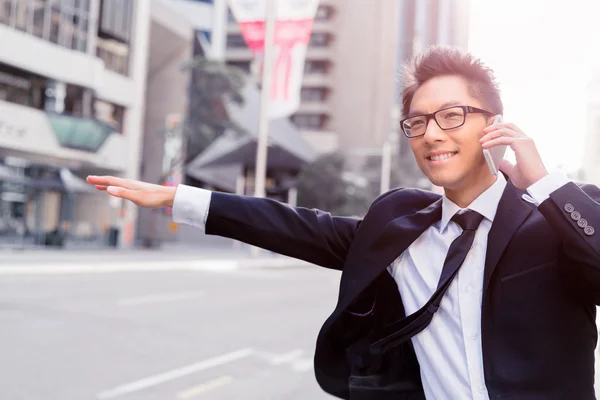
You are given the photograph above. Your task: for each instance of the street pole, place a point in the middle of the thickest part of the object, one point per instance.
(386, 165)
(263, 128)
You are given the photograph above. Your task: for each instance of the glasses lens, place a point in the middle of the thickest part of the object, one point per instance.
(414, 126)
(450, 118)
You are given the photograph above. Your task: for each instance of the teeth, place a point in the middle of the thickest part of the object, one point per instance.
(441, 157)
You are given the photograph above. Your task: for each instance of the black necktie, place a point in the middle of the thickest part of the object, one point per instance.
(402, 330)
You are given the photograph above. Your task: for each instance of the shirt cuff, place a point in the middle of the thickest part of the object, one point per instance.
(191, 205)
(540, 191)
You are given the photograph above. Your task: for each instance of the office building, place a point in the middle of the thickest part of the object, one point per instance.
(356, 47)
(72, 99)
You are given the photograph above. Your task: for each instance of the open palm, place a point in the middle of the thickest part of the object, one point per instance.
(143, 194)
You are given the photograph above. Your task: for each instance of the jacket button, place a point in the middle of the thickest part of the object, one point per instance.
(582, 223)
(575, 215)
(589, 230)
(569, 208)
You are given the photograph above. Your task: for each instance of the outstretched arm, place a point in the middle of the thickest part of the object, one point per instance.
(311, 235)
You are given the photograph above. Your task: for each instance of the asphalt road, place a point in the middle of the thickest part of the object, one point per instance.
(246, 334)
(184, 335)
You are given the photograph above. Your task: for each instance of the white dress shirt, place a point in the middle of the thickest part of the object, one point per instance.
(449, 350)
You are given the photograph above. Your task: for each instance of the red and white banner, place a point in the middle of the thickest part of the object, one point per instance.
(293, 25)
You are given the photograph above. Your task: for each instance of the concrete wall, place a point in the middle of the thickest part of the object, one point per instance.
(364, 70)
(133, 126)
(166, 94)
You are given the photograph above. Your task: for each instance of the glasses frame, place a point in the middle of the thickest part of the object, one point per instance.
(428, 117)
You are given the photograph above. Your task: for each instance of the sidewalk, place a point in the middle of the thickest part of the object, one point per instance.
(137, 259)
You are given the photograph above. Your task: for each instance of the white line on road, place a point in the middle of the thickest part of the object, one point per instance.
(225, 266)
(205, 387)
(174, 374)
(158, 298)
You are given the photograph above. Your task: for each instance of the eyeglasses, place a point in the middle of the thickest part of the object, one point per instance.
(446, 118)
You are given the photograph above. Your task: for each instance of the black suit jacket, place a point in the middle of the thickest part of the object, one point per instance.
(541, 285)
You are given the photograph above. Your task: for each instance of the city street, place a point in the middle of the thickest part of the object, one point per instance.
(232, 334)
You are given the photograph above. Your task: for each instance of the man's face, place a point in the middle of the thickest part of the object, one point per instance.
(449, 158)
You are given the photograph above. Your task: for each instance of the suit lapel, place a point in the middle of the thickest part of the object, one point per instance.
(512, 212)
(394, 239)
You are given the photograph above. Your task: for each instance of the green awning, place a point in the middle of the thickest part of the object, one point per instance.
(79, 133)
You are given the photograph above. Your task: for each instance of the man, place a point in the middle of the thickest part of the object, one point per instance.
(518, 318)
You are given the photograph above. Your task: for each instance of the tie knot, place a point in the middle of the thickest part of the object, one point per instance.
(468, 220)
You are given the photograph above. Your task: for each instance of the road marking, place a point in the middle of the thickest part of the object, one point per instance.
(174, 374)
(224, 266)
(159, 298)
(205, 387)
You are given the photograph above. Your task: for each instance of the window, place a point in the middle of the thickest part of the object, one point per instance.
(306, 121)
(323, 13)
(69, 26)
(316, 67)
(64, 22)
(110, 114)
(319, 39)
(114, 54)
(313, 94)
(19, 87)
(116, 19)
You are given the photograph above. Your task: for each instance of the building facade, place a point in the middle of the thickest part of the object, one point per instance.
(350, 86)
(72, 99)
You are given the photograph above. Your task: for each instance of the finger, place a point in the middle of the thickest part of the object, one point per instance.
(504, 132)
(502, 125)
(506, 166)
(112, 181)
(100, 187)
(501, 141)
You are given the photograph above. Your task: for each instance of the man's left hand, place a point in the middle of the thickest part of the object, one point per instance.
(529, 167)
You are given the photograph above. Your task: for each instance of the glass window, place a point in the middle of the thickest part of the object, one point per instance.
(312, 94)
(309, 121)
(316, 67)
(323, 13)
(18, 87)
(319, 39)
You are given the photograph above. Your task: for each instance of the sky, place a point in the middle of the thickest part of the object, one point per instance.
(544, 53)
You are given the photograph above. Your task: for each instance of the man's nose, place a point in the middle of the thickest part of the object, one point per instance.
(433, 133)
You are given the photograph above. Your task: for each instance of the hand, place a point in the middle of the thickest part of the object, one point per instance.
(529, 167)
(143, 194)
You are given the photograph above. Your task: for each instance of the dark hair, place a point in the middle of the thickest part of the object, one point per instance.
(445, 61)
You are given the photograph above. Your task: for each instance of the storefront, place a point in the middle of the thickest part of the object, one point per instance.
(44, 158)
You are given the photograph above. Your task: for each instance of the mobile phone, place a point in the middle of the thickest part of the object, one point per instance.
(495, 155)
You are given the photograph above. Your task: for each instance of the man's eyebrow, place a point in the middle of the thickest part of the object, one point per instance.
(412, 113)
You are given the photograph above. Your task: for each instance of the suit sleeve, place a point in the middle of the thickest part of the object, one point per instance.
(574, 212)
(307, 234)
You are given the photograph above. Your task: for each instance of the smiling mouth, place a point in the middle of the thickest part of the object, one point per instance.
(441, 157)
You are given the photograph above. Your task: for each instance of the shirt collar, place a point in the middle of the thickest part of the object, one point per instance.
(486, 204)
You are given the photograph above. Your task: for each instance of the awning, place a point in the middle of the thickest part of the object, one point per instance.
(287, 149)
(222, 177)
(79, 133)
